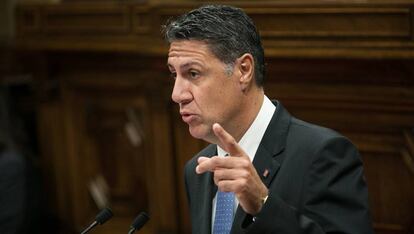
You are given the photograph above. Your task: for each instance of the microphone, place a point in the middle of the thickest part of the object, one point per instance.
(100, 218)
(139, 221)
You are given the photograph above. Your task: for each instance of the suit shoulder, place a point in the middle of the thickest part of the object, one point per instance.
(313, 136)
(312, 130)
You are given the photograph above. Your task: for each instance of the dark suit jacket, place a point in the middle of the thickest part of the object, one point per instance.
(12, 192)
(315, 180)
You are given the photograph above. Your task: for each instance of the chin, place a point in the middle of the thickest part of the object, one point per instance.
(200, 132)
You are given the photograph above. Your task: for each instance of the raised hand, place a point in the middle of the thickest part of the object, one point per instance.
(235, 173)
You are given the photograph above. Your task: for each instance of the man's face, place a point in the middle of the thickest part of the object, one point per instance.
(204, 89)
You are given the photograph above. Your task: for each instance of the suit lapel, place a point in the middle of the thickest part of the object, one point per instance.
(269, 155)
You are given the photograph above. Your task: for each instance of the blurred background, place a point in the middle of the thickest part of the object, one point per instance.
(87, 121)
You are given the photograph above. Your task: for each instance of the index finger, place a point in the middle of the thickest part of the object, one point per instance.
(228, 142)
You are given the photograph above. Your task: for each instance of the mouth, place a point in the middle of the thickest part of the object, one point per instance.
(187, 117)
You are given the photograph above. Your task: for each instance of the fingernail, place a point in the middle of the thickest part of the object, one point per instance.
(216, 125)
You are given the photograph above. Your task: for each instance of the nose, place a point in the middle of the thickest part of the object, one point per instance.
(181, 93)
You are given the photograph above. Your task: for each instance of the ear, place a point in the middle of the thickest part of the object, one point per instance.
(246, 69)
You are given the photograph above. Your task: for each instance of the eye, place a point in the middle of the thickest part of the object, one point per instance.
(194, 74)
(173, 75)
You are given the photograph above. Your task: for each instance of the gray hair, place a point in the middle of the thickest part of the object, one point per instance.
(227, 30)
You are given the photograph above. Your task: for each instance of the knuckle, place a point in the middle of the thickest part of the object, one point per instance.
(244, 183)
(245, 163)
(241, 186)
(219, 185)
(216, 181)
(218, 174)
(214, 161)
(245, 175)
(231, 142)
(240, 189)
(222, 186)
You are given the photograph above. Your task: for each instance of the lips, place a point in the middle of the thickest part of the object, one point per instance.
(187, 116)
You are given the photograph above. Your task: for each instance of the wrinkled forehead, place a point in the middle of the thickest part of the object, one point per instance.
(188, 50)
(188, 47)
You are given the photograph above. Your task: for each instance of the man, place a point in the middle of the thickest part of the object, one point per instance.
(265, 171)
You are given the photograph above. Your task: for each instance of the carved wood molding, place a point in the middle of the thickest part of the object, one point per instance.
(366, 29)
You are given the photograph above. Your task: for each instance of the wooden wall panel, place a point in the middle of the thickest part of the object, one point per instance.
(29, 20)
(52, 145)
(314, 22)
(98, 97)
(298, 29)
(141, 20)
(93, 19)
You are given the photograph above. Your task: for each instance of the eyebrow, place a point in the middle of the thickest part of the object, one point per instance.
(186, 65)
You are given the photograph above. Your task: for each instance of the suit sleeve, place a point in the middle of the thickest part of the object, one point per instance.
(334, 199)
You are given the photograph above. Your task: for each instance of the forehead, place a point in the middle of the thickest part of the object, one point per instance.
(189, 50)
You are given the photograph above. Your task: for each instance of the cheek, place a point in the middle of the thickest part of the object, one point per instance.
(216, 97)
(219, 102)
(207, 100)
